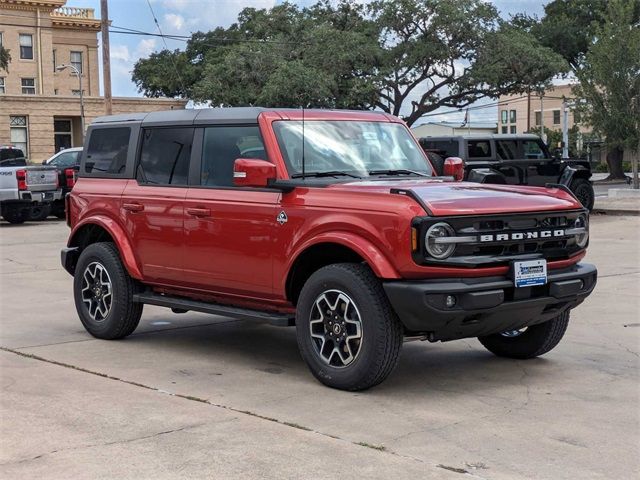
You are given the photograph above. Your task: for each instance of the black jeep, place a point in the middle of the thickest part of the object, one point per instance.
(513, 159)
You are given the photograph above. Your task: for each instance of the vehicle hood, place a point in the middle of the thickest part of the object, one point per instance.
(441, 198)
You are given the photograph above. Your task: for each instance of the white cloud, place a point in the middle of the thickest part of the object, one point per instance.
(120, 52)
(146, 47)
(175, 21)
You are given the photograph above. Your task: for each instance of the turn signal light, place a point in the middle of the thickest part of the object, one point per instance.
(414, 239)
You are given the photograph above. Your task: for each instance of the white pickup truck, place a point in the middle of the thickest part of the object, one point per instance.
(23, 189)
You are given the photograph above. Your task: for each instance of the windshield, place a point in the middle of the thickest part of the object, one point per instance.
(355, 148)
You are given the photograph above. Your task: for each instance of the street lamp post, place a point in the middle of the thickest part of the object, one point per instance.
(60, 68)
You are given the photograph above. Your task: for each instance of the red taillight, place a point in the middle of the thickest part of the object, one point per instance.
(70, 177)
(21, 176)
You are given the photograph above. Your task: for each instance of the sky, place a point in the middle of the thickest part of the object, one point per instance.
(182, 17)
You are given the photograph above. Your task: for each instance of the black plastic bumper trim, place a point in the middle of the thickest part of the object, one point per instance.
(69, 258)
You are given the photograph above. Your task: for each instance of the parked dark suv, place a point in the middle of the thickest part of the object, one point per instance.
(331, 221)
(514, 160)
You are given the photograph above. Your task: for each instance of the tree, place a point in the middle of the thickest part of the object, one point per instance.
(554, 139)
(405, 57)
(5, 59)
(609, 88)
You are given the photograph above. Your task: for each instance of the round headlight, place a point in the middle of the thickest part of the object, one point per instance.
(582, 238)
(438, 250)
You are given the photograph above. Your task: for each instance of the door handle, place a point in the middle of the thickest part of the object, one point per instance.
(199, 212)
(133, 207)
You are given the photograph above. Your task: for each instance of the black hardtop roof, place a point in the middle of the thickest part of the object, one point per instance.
(480, 136)
(204, 116)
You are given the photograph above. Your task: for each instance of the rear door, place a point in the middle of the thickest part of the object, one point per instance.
(541, 168)
(153, 203)
(229, 231)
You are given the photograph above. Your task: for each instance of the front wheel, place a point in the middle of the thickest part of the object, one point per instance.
(103, 292)
(347, 332)
(583, 190)
(529, 342)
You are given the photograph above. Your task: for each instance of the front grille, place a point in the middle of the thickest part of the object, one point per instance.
(488, 241)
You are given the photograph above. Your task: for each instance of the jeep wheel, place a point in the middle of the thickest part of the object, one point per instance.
(583, 190)
(39, 213)
(348, 334)
(15, 216)
(103, 293)
(529, 342)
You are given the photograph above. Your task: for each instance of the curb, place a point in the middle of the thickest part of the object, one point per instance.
(615, 212)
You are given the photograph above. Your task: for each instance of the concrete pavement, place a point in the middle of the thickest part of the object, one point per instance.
(196, 396)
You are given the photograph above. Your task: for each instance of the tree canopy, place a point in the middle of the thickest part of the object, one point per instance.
(5, 58)
(405, 57)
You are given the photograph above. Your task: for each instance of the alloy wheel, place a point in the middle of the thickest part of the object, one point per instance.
(97, 291)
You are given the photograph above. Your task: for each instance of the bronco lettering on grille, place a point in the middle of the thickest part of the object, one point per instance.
(507, 237)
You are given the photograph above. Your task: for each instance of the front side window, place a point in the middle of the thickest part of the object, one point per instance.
(534, 149)
(349, 147)
(220, 149)
(107, 151)
(76, 60)
(164, 157)
(26, 46)
(479, 149)
(506, 149)
(65, 160)
(28, 86)
(19, 133)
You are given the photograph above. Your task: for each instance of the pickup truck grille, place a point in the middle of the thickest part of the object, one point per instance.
(490, 241)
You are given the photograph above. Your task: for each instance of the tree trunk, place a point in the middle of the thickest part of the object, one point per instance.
(614, 160)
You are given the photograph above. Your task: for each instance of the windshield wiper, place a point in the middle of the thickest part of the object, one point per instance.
(399, 171)
(330, 173)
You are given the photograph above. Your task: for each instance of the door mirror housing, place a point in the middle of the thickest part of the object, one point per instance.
(251, 172)
(454, 167)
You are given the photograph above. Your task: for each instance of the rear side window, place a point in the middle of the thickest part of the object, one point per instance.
(479, 149)
(220, 149)
(446, 148)
(164, 156)
(107, 151)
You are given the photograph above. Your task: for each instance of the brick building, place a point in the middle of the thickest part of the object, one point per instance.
(40, 106)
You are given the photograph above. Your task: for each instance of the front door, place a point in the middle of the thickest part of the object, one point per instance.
(229, 231)
(153, 204)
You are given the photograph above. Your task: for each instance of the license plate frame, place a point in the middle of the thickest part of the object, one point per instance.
(529, 273)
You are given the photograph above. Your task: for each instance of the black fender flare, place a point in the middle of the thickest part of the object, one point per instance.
(573, 171)
(486, 175)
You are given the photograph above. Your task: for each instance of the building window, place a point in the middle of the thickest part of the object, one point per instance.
(19, 133)
(77, 92)
(504, 116)
(55, 61)
(512, 116)
(28, 86)
(2, 85)
(538, 118)
(513, 129)
(26, 46)
(0, 39)
(505, 129)
(76, 60)
(556, 117)
(62, 133)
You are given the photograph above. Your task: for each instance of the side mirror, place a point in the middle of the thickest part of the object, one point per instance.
(454, 167)
(250, 172)
(44, 162)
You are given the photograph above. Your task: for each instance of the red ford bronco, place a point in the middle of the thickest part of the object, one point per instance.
(331, 221)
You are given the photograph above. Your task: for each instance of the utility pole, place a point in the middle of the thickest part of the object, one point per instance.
(106, 56)
(565, 130)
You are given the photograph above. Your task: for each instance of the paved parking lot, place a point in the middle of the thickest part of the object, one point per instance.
(207, 397)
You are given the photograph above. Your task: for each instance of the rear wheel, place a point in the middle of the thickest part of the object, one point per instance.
(583, 190)
(348, 334)
(529, 342)
(15, 216)
(103, 293)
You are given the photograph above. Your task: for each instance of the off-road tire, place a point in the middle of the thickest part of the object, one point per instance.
(533, 342)
(124, 314)
(382, 333)
(583, 190)
(15, 216)
(39, 213)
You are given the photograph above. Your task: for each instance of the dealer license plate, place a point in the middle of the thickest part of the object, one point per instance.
(530, 273)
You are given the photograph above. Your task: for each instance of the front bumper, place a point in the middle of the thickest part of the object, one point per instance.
(484, 306)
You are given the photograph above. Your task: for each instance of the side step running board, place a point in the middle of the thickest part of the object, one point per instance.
(278, 319)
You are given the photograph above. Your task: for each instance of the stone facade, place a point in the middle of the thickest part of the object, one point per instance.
(46, 117)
